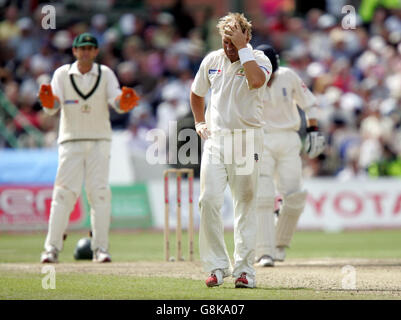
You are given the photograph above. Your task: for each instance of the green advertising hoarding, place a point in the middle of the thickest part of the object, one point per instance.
(130, 207)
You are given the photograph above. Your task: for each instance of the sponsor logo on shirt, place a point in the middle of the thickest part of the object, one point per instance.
(241, 72)
(71, 101)
(284, 92)
(215, 71)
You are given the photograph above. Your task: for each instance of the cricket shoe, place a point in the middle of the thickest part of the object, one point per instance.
(100, 255)
(50, 256)
(245, 281)
(280, 254)
(265, 261)
(215, 279)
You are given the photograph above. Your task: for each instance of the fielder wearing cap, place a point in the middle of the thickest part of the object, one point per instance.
(82, 92)
(281, 158)
(84, 39)
(236, 75)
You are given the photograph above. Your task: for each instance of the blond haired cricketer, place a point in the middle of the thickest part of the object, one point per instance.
(232, 130)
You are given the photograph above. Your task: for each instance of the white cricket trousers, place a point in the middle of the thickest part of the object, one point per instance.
(81, 161)
(281, 162)
(216, 171)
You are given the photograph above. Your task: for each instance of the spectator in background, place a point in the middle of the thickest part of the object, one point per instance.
(26, 115)
(25, 44)
(352, 169)
(389, 165)
(9, 28)
(183, 21)
(375, 9)
(61, 43)
(98, 27)
(141, 121)
(11, 91)
(172, 108)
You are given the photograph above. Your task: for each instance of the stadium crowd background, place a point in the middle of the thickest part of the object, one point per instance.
(355, 73)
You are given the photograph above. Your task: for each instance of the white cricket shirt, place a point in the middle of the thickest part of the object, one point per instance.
(233, 105)
(285, 93)
(84, 100)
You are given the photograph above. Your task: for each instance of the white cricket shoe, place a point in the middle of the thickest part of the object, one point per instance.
(280, 254)
(265, 261)
(100, 255)
(215, 279)
(245, 281)
(49, 256)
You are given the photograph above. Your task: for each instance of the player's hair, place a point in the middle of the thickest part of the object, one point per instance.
(230, 19)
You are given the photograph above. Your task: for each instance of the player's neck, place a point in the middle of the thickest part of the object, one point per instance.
(84, 67)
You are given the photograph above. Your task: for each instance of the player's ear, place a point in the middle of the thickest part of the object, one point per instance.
(248, 38)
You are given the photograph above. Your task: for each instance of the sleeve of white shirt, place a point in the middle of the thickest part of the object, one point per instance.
(57, 87)
(201, 84)
(304, 97)
(113, 87)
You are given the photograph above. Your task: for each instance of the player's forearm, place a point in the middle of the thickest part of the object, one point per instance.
(198, 107)
(113, 100)
(254, 74)
(312, 115)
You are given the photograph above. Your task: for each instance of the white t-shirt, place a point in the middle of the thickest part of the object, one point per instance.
(285, 93)
(233, 105)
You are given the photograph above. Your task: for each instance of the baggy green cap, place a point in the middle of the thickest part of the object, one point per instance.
(84, 39)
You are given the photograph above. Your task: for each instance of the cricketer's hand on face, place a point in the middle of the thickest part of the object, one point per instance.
(237, 37)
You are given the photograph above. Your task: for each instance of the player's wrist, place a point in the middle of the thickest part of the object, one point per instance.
(52, 102)
(200, 123)
(56, 103)
(241, 46)
(245, 55)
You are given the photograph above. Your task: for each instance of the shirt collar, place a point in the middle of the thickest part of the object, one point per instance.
(74, 69)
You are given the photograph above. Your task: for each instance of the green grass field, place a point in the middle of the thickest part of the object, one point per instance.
(20, 276)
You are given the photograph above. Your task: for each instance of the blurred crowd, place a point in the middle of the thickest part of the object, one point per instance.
(355, 73)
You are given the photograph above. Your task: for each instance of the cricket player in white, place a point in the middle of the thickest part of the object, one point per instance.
(236, 75)
(82, 92)
(281, 161)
